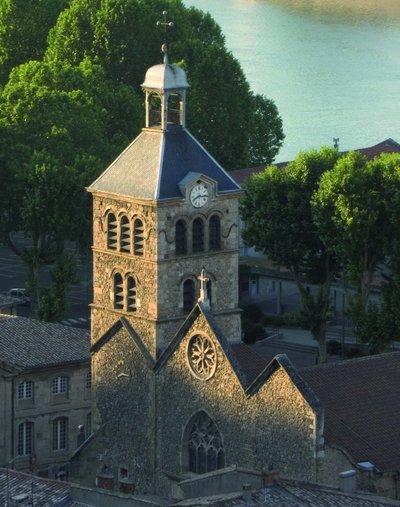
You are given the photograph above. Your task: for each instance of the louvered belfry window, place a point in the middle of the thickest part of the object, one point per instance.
(125, 237)
(118, 292)
(188, 295)
(138, 237)
(131, 306)
(197, 235)
(215, 233)
(180, 238)
(112, 232)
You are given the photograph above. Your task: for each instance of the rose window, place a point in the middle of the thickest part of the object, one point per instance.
(202, 357)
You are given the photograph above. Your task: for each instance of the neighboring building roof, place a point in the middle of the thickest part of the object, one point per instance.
(46, 493)
(284, 493)
(361, 400)
(28, 343)
(152, 166)
(387, 146)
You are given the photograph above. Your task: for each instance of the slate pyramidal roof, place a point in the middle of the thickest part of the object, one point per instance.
(154, 164)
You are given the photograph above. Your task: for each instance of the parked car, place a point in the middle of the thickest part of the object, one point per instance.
(21, 295)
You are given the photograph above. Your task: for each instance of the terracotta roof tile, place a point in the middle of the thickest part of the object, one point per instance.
(361, 400)
(387, 146)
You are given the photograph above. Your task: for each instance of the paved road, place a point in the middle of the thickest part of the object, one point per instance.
(13, 273)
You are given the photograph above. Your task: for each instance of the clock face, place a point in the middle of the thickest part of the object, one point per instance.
(199, 195)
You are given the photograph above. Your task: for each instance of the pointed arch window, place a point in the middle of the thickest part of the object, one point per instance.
(125, 236)
(215, 233)
(188, 295)
(138, 237)
(131, 286)
(112, 232)
(180, 238)
(118, 292)
(204, 450)
(197, 235)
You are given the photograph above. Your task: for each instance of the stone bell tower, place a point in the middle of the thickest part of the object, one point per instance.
(163, 211)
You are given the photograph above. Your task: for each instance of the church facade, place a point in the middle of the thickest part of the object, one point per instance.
(170, 398)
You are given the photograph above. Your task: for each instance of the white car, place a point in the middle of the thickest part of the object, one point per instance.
(21, 295)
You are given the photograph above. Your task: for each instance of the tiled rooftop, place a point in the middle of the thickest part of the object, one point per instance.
(387, 146)
(46, 493)
(28, 343)
(361, 399)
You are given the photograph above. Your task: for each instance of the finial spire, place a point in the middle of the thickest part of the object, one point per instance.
(203, 288)
(166, 24)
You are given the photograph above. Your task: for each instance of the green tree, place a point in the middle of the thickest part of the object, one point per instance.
(67, 123)
(237, 127)
(24, 26)
(356, 209)
(350, 211)
(278, 220)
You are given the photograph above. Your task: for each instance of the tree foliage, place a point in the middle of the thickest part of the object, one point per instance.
(24, 26)
(278, 220)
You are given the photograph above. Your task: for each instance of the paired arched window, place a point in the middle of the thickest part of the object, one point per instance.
(25, 438)
(214, 230)
(180, 238)
(197, 235)
(204, 448)
(125, 293)
(188, 295)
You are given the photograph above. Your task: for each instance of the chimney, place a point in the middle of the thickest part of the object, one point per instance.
(247, 493)
(347, 481)
(126, 486)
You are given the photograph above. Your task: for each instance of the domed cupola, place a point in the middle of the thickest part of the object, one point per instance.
(165, 85)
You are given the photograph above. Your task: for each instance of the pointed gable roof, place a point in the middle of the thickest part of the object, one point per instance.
(154, 164)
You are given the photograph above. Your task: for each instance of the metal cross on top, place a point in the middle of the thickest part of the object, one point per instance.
(166, 24)
(203, 288)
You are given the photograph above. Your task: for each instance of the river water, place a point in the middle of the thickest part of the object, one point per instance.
(331, 66)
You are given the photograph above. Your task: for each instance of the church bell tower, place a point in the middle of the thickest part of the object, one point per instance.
(165, 212)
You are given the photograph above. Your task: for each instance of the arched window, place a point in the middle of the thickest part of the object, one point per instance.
(188, 295)
(125, 236)
(60, 434)
(209, 291)
(203, 443)
(215, 233)
(118, 292)
(131, 285)
(180, 238)
(25, 438)
(197, 235)
(138, 237)
(112, 232)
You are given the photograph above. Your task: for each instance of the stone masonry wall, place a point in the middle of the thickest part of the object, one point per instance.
(273, 427)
